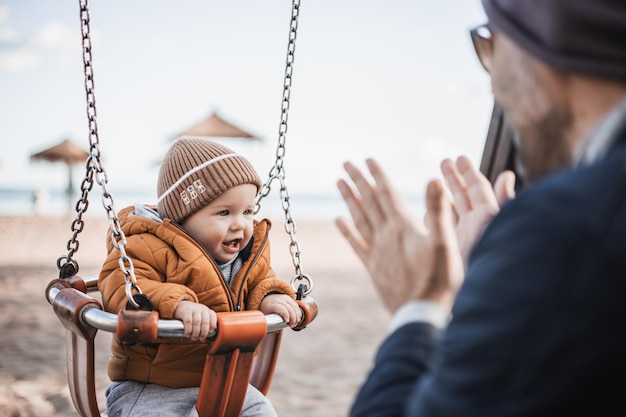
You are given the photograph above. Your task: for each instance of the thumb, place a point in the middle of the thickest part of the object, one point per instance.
(504, 187)
(439, 213)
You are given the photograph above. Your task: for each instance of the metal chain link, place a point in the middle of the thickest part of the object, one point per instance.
(278, 170)
(95, 168)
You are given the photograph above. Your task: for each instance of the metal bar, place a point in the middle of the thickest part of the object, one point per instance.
(102, 320)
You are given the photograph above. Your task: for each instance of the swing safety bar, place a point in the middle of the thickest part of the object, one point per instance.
(95, 317)
(243, 349)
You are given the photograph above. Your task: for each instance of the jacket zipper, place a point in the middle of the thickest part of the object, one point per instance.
(231, 297)
(252, 263)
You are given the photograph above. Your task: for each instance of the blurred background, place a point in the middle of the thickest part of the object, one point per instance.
(397, 80)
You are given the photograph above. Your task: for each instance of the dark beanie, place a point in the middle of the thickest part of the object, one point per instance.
(195, 172)
(579, 36)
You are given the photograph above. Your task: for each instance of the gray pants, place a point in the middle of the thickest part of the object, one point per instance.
(138, 399)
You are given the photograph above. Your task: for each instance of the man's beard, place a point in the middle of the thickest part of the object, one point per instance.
(544, 145)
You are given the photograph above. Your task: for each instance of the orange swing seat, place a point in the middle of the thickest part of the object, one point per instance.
(244, 349)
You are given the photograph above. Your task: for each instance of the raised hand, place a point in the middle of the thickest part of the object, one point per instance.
(407, 259)
(475, 201)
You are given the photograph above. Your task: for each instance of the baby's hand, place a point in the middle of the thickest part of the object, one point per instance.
(283, 305)
(199, 320)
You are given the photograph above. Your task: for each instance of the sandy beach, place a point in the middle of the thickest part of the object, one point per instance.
(319, 370)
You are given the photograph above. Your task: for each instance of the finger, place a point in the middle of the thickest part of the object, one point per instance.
(504, 187)
(446, 256)
(186, 317)
(291, 315)
(205, 325)
(212, 320)
(296, 314)
(440, 214)
(282, 311)
(479, 189)
(299, 316)
(196, 325)
(353, 237)
(369, 195)
(391, 202)
(453, 212)
(387, 198)
(355, 207)
(456, 184)
(188, 326)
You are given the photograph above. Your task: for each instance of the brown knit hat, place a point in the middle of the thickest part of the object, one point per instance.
(195, 172)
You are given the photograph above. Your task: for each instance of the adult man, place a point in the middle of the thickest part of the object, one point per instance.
(537, 317)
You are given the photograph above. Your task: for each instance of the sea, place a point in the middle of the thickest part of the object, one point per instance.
(305, 206)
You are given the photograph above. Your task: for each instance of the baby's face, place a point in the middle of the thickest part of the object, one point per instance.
(224, 226)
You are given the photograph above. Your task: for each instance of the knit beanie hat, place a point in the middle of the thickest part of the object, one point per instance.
(579, 36)
(195, 172)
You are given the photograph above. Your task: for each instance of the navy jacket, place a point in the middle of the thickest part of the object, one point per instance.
(539, 326)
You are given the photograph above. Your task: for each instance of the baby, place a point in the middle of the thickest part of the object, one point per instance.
(198, 252)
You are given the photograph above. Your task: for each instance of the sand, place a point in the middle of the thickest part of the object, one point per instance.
(319, 370)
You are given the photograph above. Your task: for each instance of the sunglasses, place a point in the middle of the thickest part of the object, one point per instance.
(483, 44)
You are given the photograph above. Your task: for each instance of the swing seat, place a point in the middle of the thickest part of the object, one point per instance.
(244, 348)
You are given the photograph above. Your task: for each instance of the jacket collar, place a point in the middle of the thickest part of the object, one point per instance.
(245, 253)
(603, 137)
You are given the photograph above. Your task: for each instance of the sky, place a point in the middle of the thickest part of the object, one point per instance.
(396, 80)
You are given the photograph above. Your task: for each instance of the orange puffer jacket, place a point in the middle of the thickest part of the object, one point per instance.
(170, 266)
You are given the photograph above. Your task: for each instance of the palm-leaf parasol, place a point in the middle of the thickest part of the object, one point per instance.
(67, 152)
(215, 126)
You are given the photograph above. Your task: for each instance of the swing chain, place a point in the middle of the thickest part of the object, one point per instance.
(95, 168)
(278, 170)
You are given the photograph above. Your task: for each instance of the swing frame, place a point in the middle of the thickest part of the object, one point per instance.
(245, 345)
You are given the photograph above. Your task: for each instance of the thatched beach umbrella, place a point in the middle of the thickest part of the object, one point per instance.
(215, 126)
(67, 152)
